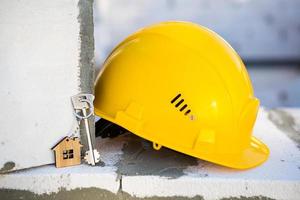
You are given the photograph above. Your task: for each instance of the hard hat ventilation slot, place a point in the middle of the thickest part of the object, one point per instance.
(187, 112)
(175, 98)
(180, 102)
(183, 107)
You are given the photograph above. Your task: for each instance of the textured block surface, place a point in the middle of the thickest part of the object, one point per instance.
(131, 169)
(41, 67)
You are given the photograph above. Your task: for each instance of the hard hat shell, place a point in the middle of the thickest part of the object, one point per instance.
(180, 85)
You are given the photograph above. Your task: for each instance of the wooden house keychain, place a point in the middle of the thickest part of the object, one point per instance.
(68, 150)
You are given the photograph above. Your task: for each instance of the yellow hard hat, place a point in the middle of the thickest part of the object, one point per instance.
(181, 86)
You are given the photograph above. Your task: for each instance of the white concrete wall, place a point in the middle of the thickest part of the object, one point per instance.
(39, 71)
(266, 29)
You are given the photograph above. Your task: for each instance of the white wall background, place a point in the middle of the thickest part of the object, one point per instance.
(39, 59)
(255, 28)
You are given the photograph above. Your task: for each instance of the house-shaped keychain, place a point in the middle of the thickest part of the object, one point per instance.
(67, 152)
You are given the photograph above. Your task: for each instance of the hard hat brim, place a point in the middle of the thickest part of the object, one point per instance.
(250, 157)
(254, 155)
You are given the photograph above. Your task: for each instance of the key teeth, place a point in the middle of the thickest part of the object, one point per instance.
(88, 158)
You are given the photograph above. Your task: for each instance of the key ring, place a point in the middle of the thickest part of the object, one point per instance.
(77, 103)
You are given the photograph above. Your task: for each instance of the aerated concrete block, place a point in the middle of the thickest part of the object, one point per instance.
(46, 56)
(131, 169)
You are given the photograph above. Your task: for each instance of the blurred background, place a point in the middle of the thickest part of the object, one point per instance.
(265, 33)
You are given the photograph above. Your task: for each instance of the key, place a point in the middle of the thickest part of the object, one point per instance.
(83, 109)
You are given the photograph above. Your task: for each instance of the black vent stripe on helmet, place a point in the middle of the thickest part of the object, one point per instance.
(183, 107)
(175, 98)
(187, 112)
(180, 102)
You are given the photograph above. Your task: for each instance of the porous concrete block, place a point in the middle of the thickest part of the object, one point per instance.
(132, 170)
(46, 57)
(48, 180)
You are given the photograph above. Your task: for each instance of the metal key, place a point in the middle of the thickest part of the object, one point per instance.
(83, 103)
